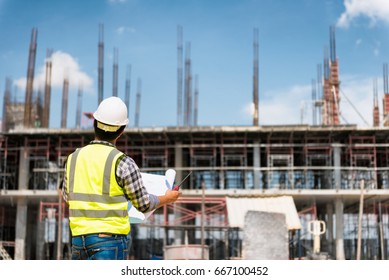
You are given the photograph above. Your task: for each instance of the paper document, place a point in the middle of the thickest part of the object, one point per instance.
(155, 184)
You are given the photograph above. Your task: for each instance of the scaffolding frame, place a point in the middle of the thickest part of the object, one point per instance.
(233, 153)
(361, 152)
(203, 158)
(201, 219)
(279, 153)
(317, 153)
(155, 153)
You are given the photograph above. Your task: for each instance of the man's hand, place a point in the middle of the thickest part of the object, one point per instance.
(170, 196)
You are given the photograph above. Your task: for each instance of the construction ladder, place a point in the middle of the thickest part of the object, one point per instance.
(3, 253)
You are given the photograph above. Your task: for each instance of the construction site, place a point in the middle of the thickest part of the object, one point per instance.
(314, 191)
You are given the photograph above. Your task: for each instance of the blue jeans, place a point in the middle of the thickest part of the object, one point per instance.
(100, 247)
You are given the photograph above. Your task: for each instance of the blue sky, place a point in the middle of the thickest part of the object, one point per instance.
(292, 37)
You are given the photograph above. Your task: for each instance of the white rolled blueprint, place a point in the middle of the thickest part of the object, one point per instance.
(155, 184)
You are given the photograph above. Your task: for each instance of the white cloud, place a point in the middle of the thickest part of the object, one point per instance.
(376, 51)
(356, 100)
(125, 29)
(120, 30)
(377, 48)
(62, 64)
(293, 105)
(283, 106)
(21, 83)
(248, 110)
(375, 10)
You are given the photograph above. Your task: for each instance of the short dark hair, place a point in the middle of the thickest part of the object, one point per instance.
(107, 135)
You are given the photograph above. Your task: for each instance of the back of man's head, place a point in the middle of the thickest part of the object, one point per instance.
(110, 118)
(106, 135)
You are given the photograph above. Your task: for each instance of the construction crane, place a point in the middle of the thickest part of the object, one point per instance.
(334, 81)
(331, 111)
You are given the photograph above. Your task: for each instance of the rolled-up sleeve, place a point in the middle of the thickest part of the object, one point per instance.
(130, 179)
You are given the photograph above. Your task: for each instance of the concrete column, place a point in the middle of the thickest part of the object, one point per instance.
(338, 203)
(339, 229)
(21, 230)
(257, 164)
(21, 209)
(40, 241)
(330, 228)
(178, 160)
(337, 166)
(222, 173)
(24, 166)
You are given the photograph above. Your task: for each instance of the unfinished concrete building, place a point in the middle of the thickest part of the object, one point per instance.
(320, 168)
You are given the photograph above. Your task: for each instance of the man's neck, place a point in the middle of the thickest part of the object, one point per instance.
(113, 142)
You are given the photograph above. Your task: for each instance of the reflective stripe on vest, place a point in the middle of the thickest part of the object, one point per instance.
(105, 211)
(97, 214)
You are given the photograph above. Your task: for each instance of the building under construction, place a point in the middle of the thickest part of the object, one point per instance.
(321, 168)
(333, 174)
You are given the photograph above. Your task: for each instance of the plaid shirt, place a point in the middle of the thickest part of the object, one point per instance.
(129, 178)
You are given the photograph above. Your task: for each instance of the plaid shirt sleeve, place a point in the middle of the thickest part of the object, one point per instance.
(63, 189)
(129, 177)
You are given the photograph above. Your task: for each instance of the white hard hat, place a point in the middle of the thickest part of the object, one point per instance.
(112, 111)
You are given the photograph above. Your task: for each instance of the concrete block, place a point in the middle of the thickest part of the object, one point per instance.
(265, 236)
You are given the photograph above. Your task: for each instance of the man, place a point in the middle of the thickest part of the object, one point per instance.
(98, 183)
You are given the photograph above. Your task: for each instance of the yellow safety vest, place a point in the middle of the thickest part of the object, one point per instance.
(96, 201)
